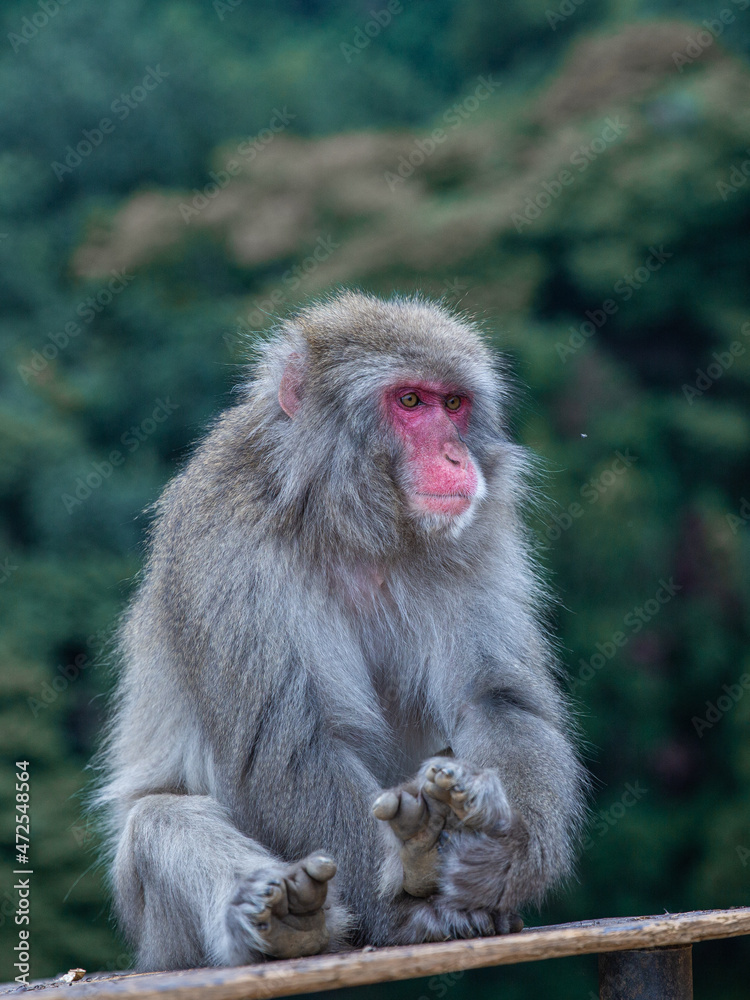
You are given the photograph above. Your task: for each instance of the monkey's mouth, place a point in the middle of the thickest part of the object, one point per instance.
(452, 504)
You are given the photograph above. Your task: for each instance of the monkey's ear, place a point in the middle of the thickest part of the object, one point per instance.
(290, 389)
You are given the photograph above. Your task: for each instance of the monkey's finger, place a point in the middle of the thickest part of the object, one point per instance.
(431, 771)
(436, 792)
(447, 778)
(450, 800)
(386, 805)
(507, 922)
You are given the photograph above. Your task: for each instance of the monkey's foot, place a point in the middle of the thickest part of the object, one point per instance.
(279, 910)
(418, 823)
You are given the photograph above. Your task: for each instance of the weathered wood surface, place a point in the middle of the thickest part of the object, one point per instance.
(360, 968)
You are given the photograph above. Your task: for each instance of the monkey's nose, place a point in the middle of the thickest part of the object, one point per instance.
(456, 456)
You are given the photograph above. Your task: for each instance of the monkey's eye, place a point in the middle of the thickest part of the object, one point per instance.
(410, 400)
(453, 402)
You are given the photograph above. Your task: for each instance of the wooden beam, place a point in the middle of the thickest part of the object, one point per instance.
(377, 965)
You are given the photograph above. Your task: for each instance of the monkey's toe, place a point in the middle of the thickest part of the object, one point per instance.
(418, 825)
(320, 867)
(306, 883)
(254, 903)
(409, 815)
(386, 805)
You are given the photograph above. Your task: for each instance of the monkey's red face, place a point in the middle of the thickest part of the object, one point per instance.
(431, 420)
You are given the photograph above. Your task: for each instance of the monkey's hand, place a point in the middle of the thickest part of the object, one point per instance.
(461, 843)
(484, 853)
(421, 814)
(278, 910)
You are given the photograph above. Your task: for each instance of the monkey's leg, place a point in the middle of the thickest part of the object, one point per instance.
(192, 890)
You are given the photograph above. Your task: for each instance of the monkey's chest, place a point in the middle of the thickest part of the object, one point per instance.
(397, 659)
(411, 731)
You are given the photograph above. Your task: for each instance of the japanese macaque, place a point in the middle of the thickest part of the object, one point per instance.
(338, 721)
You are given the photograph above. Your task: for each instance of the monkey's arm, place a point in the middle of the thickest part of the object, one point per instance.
(515, 790)
(514, 796)
(542, 782)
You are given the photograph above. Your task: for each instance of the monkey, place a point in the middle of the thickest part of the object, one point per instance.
(339, 720)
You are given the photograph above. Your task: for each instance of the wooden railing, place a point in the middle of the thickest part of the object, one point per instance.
(644, 957)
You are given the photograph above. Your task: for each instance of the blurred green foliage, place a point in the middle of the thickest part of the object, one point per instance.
(590, 204)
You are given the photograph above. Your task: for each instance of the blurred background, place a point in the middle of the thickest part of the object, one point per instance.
(574, 173)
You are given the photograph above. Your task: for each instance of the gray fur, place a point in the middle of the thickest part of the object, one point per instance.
(299, 642)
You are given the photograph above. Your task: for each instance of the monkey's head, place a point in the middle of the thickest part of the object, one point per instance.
(388, 416)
